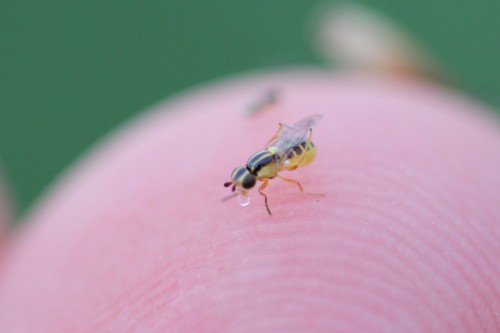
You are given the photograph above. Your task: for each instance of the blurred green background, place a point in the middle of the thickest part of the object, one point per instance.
(71, 71)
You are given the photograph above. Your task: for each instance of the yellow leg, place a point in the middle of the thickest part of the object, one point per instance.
(293, 181)
(261, 188)
(288, 180)
(275, 135)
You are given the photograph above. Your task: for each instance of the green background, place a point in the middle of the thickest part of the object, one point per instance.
(71, 71)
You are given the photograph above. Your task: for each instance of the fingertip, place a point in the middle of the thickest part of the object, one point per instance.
(136, 236)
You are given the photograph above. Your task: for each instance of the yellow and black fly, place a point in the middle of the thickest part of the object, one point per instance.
(291, 147)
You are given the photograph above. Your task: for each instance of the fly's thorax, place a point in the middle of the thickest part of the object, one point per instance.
(273, 150)
(263, 163)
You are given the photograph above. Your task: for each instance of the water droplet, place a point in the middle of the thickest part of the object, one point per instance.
(243, 200)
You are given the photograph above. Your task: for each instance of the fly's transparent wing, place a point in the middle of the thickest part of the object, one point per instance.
(292, 135)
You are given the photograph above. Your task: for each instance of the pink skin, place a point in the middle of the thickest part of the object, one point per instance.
(136, 239)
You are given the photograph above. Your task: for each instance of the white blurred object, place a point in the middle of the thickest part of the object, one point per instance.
(357, 37)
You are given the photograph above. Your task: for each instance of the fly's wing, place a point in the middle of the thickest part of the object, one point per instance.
(292, 135)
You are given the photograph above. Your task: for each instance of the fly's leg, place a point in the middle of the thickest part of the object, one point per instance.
(293, 181)
(261, 188)
(275, 135)
(288, 180)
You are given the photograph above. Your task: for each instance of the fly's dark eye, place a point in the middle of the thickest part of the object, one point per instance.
(248, 181)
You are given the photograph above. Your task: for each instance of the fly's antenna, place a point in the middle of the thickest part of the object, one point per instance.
(227, 184)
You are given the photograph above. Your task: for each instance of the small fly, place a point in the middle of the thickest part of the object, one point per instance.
(267, 100)
(290, 148)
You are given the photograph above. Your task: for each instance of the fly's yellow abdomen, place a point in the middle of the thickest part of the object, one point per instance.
(300, 156)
